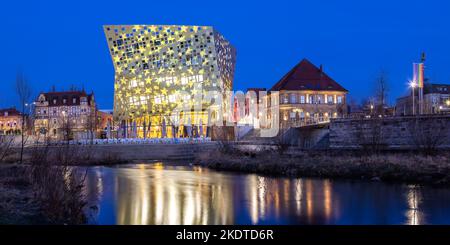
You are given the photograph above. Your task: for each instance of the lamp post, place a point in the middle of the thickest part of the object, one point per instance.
(413, 85)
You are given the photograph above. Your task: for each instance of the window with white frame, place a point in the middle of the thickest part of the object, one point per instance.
(330, 99)
(302, 99)
(293, 98)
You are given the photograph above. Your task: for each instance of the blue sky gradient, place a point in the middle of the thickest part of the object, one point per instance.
(63, 44)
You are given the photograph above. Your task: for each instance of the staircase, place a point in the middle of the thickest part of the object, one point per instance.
(189, 151)
(254, 137)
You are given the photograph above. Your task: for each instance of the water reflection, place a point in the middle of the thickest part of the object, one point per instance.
(157, 195)
(170, 194)
(414, 214)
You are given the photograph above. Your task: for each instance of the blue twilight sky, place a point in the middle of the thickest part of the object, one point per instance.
(62, 43)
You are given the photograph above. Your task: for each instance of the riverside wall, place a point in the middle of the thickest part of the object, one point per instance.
(152, 152)
(391, 133)
(121, 152)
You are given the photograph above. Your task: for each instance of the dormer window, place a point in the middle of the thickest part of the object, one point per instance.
(74, 100)
(64, 101)
(54, 101)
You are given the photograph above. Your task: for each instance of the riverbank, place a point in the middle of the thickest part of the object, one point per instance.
(391, 167)
(41, 195)
(17, 200)
(101, 155)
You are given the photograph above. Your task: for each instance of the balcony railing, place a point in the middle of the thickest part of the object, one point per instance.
(302, 122)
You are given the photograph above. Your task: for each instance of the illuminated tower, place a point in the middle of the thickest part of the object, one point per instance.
(155, 64)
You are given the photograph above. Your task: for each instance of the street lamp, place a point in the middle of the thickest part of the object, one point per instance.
(413, 85)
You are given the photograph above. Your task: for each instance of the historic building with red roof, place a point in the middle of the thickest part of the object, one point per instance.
(309, 96)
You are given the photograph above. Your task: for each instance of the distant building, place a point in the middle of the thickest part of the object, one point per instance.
(65, 115)
(359, 111)
(309, 96)
(105, 120)
(370, 111)
(436, 101)
(248, 113)
(10, 121)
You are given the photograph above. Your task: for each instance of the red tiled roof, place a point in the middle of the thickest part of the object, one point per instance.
(10, 111)
(306, 76)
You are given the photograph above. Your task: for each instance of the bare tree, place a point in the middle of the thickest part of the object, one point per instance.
(369, 135)
(66, 127)
(428, 134)
(24, 93)
(6, 143)
(381, 92)
(57, 186)
(282, 143)
(91, 124)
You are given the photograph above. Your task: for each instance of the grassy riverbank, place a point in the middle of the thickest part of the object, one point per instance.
(393, 167)
(18, 204)
(41, 194)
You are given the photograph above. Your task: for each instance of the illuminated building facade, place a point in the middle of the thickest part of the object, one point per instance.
(65, 115)
(436, 100)
(309, 96)
(10, 121)
(159, 68)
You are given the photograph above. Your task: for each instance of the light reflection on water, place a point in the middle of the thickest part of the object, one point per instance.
(170, 194)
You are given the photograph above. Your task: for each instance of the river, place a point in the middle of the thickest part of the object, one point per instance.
(162, 193)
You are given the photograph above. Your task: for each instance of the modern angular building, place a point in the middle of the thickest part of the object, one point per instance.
(161, 67)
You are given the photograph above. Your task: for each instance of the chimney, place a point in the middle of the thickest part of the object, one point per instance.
(321, 68)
